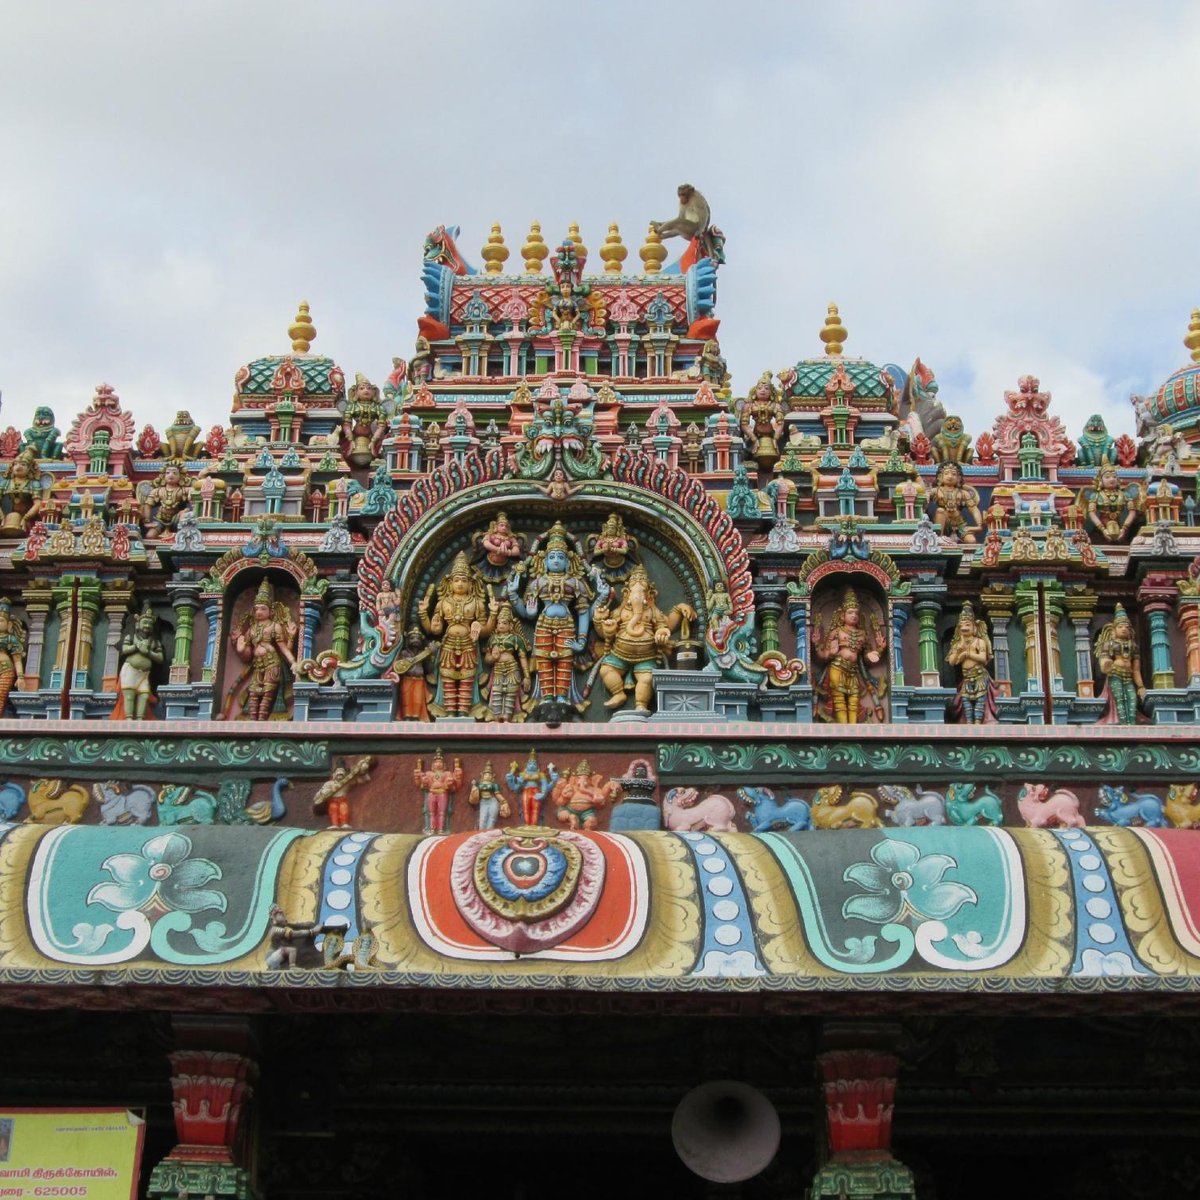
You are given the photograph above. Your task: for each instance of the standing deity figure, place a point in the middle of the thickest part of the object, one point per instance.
(955, 502)
(334, 793)
(181, 436)
(762, 422)
(558, 600)
(464, 613)
(636, 639)
(1121, 666)
(1109, 509)
(507, 657)
(141, 652)
(615, 550)
(43, 436)
(532, 785)
(486, 796)
(439, 784)
(264, 641)
(414, 667)
(848, 691)
(971, 651)
(498, 549)
(364, 423)
(167, 497)
(12, 652)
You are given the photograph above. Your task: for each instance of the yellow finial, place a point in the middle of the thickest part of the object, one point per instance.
(834, 333)
(653, 253)
(535, 249)
(613, 252)
(494, 252)
(1191, 341)
(302, 330)
(574, 235)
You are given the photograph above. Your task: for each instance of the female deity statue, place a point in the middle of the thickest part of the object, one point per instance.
(507, 656)
(846, 688)
(463, 614)
(486, 796)
(971, 649)
(636, 637)
(558, 599)
(21, 492)
(141, 652)
(762, 422)
(1121, 666)
(264, 640)
(498, 549)
(12, 652)
(1109, 509)
(955, 501)
(166, 498)
(615, 549)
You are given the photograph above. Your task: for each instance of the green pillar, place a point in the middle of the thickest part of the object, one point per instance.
(927, 639)
(1162, 676)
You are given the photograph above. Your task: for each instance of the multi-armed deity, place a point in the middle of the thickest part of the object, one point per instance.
(463, 613)
(265, 640)
(855, 642)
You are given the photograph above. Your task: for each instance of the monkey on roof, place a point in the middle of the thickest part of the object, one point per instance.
(694, 215)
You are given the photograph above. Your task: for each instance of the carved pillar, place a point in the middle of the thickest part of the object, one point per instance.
(341, 600)
(185, 600)
(900, 613)
(213, 606)
(1156, 596)
(998, 602)
(37, 609)
(88, 610)
(1081, 607)
(797, 609)
(928, 610)
(768, 597)
(64, 602)
(213, 1074)
(858, 1073)
(117, 598)
(1189, 622)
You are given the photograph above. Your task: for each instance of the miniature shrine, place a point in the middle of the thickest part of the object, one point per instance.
(554, 725)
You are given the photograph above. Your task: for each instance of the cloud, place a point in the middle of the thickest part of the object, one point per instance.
(1000, 191)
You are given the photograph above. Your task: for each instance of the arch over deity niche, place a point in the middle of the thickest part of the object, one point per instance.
(665, 501)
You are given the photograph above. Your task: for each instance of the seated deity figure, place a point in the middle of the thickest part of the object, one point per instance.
(1109, 509)
(168, 495)
(971, 651)
(498, 549)
(558, 599)
(1121, 665)
(955, 502)
(847, 691)
(636, 637)
(464, 613)
(264, 640)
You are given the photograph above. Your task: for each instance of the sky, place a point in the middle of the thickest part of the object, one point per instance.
(999, 188)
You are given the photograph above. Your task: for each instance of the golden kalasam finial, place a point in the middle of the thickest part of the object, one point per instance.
(535, 249)
(302, 331)
(653, 252)
(494, 252)
(1192, 340)
(834, 333)
(575, 236)
(613, 252)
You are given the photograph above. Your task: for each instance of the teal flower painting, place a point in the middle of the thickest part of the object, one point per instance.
(163, 874)
(901, 882)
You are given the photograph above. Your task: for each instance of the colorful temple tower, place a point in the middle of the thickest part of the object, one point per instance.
(554, 676)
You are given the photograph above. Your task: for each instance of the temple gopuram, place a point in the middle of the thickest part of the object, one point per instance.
(552, 767)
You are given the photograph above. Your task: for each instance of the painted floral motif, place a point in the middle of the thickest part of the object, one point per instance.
(162, 874)
(902, 882)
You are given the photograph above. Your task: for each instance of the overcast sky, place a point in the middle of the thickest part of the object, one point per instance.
(1001, 189)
